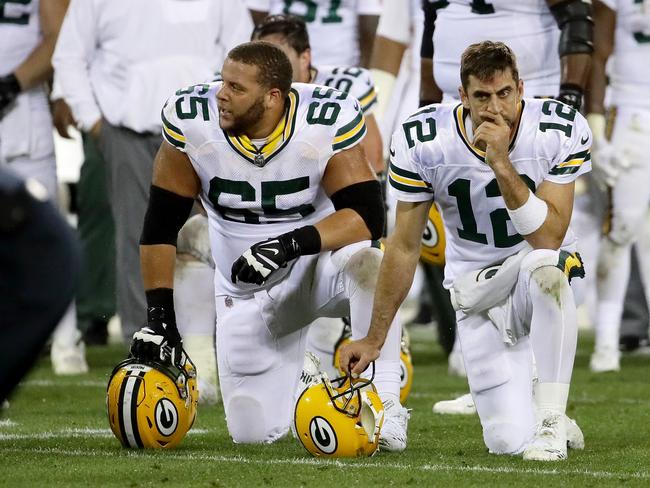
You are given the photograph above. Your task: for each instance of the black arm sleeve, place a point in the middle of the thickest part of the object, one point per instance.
(575, 20)
(166, 214)
(365, 199)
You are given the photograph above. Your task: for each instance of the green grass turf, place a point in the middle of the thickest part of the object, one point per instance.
(55, 434)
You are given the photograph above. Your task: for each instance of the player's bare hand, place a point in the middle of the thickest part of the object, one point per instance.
(494, 135)
(357, 355)
(62, 118)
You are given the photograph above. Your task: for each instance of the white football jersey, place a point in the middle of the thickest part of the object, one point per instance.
(432, 158)
(526, 26)
(630, 71)
(354, 81)
(20, 32)
(332, 26)
(254, 193)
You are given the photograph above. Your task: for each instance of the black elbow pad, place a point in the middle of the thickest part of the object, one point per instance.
(575, 20)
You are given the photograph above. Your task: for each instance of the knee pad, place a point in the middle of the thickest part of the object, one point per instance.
(543, 267)
(625, 226)
(503, 437)
(362, 268)
(193, 239)
(247, 423)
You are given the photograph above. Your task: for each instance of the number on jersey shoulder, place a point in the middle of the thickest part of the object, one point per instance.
(188, 107)
(554, 110)
(423, 130)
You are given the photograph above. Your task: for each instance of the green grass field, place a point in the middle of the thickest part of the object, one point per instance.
(55, 433)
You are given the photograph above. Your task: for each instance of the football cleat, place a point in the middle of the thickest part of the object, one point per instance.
(339, 418)
(462, 405)
(605, 360)
(69, 358)
(575, 439)
(152, 405)
(550, 441)
(393, 435)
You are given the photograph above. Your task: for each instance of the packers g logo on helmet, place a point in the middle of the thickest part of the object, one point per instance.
(339, 421)
(151, 405)
(432, 249)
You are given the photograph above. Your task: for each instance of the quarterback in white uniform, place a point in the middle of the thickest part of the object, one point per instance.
(501, 169)
(268, 160)
(341, 31)
(620, 163)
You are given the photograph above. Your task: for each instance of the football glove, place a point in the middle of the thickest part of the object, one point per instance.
(571, 95)
(261, 260)
(159, 340)
(9, 90)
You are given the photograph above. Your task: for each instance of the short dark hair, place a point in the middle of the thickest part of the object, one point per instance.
(486, 58)
(273, 66)
(291, 27)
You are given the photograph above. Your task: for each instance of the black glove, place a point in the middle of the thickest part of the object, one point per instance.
(9, 90)
(159, 340)
(261, 260)
(571, 95)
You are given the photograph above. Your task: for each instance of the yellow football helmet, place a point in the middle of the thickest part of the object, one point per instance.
(406, 375)
(152, 405)
(432, 250)
(339, 418)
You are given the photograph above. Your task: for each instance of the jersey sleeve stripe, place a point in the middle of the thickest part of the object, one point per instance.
(407, 181)
(171, 130)
(368, 99)
(404, 173)
(348, 127)
(337, 146)
(578, 155)
(171, 140)
(566, 170)
(405, 187)
(577, 161)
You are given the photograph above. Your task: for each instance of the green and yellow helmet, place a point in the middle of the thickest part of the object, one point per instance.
(152, 405)
(432, 250)
(339, 418)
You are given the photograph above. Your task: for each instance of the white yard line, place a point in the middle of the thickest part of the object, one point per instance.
(73, 433)
(335, 463)
(59, 383)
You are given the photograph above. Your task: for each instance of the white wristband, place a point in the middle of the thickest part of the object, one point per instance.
(530, 216)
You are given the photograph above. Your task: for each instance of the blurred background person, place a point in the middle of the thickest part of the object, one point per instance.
(341, 31)
(28, 34)
(115, 64)
(38, 272)
(621, 166)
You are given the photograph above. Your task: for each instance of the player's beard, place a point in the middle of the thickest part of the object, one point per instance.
(249, 118)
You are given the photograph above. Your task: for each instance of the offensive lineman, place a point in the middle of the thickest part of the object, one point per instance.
(502, 170)
(265, 175)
